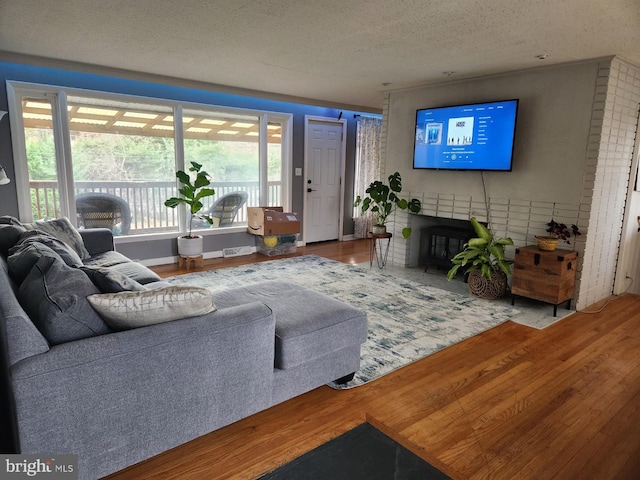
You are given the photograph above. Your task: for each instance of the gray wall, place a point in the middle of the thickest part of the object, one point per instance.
(551, 133)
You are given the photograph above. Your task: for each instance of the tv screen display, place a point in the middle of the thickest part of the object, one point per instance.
(466, 137)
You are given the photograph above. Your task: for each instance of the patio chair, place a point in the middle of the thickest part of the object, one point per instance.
(225, 209)
(103, 210)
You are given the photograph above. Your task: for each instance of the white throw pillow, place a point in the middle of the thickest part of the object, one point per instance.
(125, 310)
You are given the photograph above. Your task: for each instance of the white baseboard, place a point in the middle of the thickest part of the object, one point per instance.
(154, 262)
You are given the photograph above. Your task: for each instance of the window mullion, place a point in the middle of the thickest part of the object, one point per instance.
(263, 161)
(183, 215)
(64, 166)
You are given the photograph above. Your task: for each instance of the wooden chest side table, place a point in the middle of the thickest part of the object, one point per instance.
(545, 276)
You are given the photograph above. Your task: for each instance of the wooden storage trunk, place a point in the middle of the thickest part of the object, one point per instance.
(544, 276)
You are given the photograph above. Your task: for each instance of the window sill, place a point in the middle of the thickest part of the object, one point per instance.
(169, 235)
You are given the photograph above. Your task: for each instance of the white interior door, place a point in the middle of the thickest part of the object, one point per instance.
(324, 164)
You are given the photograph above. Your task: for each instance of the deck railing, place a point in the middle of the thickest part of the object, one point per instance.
(146, 200)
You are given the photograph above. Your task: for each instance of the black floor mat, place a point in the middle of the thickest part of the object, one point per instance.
(359, 454)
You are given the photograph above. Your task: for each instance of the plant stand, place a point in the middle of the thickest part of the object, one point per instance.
(186, 262)
(376, 250)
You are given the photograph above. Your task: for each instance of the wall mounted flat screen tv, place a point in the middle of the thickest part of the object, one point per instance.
(466, 137)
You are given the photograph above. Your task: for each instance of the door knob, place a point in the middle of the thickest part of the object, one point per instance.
(309, 190)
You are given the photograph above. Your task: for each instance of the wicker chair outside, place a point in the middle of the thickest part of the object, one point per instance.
(225, 209)
(103, 210)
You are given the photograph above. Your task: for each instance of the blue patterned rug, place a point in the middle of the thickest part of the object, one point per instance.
(407, 320)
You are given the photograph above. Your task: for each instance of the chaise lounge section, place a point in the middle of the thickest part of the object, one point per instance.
(117, 396)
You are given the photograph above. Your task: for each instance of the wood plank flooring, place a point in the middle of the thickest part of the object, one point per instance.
(510, 403)
(356, 251)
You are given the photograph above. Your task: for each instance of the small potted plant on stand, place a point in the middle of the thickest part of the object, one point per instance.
(191, 195)
(383, 200)
(558, 231)
(484, 258)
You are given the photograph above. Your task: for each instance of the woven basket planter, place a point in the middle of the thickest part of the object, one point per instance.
(486, 288)
(548, 244)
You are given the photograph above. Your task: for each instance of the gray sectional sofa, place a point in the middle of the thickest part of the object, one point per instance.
(76, 382)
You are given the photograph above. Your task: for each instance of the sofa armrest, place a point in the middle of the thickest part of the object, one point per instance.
(119, 398)
(97, 240)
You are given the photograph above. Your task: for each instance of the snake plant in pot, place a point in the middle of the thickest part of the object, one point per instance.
(483, 257)
(192, 193)
(383, 200)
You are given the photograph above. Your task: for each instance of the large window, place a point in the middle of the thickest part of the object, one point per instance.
(110, 160)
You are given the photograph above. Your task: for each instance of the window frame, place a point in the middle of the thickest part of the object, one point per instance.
(57, 95)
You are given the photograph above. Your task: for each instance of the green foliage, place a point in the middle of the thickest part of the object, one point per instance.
(561, 231)
(192, 193)
(115, 157)
(383, 200)
(41, 155)
(483, 253)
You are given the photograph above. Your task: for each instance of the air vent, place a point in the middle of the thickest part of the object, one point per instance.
(236, 251)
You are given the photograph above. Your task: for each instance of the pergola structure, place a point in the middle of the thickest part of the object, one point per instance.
(127, 119)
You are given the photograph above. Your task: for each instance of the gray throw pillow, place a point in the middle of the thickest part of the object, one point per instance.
(9, 236)
(111, 281)
(66, 253)
(62, 229)
(126, 310)
(54, 296)
(22, 259)
(9, 220)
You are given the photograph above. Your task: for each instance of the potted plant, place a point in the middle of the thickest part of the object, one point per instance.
(191, 195)
(487, 268)
(383, 200)
(558, 231)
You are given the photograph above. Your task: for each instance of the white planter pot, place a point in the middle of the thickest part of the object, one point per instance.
(190, 247)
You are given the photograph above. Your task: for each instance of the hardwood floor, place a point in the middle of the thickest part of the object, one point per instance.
(356, 251)
(510, 403)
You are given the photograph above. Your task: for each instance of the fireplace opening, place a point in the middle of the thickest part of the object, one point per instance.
(440, 240)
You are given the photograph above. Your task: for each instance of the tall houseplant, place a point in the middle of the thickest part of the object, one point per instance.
(383, 200)
(192, 193)
(483, 257)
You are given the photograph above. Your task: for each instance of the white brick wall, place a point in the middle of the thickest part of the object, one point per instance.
(605, 181)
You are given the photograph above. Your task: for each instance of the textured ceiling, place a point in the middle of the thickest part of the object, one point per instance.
(333, 51)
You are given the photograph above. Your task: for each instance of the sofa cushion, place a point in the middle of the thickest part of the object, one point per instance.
(126, 310)
(111, 281)
(66, 253)
(106, 259)
(55, 297)
(23, 338)
(9, 236)
(309, 324)
(119, 263)
(62, 229)
(136, 271)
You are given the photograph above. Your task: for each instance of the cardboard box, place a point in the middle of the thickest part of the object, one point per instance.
(271, 221)
(277, 244)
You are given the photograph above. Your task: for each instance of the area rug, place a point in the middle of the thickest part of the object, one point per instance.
(363, 453)
(407, 321)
